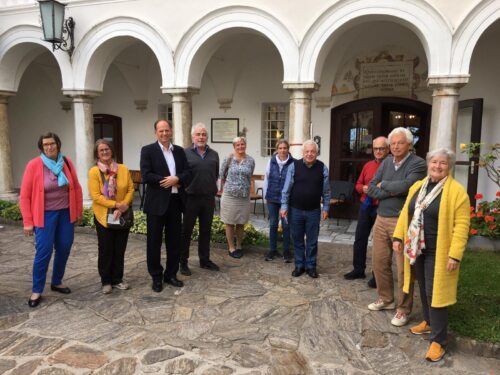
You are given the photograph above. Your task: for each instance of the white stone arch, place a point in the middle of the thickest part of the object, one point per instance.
(469, 32)
(100, 46)
(19, 46)
(205, 36)
(417, 15)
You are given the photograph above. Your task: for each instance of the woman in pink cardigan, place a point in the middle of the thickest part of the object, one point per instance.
(51, 203)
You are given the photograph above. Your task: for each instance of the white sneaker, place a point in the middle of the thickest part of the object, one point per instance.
(122, 286)
(381, 305)
(400, 319)
(106, 289)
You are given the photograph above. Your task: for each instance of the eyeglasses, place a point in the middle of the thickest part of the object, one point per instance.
(47, 145)
(103, 150)
(379, 148)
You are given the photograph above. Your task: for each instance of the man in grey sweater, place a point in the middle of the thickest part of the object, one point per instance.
(201, 189)
(390, 186)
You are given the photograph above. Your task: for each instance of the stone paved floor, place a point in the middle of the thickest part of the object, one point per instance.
(250, 318)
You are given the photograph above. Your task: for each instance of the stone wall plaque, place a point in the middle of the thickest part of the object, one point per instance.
(386, 78)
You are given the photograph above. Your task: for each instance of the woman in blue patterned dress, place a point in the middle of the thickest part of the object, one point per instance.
(236, 174)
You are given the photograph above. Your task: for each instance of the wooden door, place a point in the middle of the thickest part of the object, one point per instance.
(109, 127)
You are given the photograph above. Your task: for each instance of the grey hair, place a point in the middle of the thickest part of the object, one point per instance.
(198, 125)
(310, 142)
(386, 141)
(239, 139)
(401, 130)
(450, 155)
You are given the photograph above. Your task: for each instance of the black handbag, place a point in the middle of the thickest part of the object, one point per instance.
(125, 221)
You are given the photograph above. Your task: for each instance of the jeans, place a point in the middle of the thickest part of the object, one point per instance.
(305, 223)
(274, 213)
(58, 233)
(366, 219)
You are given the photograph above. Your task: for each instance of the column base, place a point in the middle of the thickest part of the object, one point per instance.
(11, 196)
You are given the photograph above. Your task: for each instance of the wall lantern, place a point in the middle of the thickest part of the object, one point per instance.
(56, 29)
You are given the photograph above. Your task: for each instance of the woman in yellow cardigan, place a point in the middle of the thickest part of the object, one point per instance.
(110, 187)
(432, 230)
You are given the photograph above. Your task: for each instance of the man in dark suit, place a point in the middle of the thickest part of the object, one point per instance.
(165, 170)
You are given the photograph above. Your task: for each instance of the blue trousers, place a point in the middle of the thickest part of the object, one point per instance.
(274, 213)
(58, 233)
(305, 223)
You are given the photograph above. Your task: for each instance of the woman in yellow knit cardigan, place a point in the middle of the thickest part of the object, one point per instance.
(110, 187)
(432, 231)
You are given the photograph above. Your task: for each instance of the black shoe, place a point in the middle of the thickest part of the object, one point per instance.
(174, 282)
(354, 275)
(157, 286)
(209, 265)
(184, 269)
(237, 254)
(312, 273)
(63, 290)
(372, 283)
(34, 302)
(270, 255)
(298, 271)
(287, 257)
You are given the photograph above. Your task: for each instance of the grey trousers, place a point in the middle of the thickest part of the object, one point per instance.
(437, 318)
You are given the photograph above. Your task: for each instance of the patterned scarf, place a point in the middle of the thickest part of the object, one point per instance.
(109, 172)
(56, 167)
(416, 241)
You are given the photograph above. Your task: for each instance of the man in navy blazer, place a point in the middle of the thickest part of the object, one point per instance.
(165, 170)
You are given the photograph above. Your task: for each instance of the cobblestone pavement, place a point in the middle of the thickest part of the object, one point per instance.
(250, 318)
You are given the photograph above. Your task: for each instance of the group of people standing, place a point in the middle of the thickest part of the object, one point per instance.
(399, 193)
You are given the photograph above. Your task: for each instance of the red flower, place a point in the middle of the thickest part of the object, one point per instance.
(498, 193)
(489, 218)
(471, 209)
(473, 231)
(480, 214)
(472, 215)
(478, 196)
(493, 226)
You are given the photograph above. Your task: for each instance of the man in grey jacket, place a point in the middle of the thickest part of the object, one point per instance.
(390, 186)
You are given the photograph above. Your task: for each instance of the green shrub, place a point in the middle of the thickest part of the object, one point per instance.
(12, 212)
(6, 204)
(88, 218)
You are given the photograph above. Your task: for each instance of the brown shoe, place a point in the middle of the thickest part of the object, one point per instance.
(421, 328)
(435, 352)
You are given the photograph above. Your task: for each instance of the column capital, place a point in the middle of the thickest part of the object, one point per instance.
(448, 81)
(82, 94)
(4, 96)
(180, 90)
(306, 86)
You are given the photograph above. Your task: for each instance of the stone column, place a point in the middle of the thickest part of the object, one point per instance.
(182, 113)
(445, 97)
(300, 115)
(84, 137)
(6, 179)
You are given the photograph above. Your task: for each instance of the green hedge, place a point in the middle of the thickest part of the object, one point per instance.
(11, 211)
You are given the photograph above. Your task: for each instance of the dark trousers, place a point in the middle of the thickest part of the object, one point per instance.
(437, 318)
(111, 246)
(171, 222)
(304, 226)
(366, 219)
(201, 208)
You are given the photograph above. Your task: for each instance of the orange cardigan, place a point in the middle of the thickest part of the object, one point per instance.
(31, 200)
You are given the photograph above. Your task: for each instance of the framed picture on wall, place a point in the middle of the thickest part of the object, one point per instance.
(224, 130)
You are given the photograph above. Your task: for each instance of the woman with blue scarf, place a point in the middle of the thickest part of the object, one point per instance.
(51, 203)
